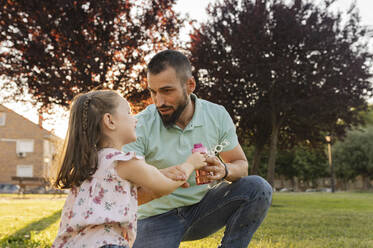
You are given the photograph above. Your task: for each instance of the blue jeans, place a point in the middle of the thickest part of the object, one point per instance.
(240, 207)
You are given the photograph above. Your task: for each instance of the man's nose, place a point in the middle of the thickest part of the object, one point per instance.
(159, 101)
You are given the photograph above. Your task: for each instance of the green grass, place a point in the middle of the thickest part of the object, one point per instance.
(316, 220)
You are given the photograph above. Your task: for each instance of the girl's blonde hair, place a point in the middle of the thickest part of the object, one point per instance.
(79, 156)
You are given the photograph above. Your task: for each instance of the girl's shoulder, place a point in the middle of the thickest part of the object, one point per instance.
(107, 157)
(111, 154)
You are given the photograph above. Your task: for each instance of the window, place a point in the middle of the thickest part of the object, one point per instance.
(25, 146)
(25, 171)
(47, 148)
(2, 118)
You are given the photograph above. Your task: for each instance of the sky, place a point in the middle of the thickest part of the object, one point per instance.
(196, 10)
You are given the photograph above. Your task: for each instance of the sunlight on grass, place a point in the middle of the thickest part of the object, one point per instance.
(295, 220)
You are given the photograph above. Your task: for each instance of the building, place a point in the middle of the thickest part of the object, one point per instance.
(26, 149)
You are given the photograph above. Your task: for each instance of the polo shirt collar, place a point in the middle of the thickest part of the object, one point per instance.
(197, 119)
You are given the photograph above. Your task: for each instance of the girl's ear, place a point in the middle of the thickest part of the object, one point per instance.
(108, 121)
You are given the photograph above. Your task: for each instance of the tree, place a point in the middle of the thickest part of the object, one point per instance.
(299, 163)
(311, 164)
(287, 73)
(368, 116)
(56, 49)
(354, 156)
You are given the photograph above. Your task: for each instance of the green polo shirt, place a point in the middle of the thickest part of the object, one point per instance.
(163, 147)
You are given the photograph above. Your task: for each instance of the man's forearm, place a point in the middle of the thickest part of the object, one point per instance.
(236, 170)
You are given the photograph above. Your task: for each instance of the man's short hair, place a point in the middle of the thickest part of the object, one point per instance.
(162, 60)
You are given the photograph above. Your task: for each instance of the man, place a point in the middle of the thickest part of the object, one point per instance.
(166, 132)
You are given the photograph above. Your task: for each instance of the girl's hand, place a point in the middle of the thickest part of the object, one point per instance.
(197, 159)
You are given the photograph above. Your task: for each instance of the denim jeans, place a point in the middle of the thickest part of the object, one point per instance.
(240, 207)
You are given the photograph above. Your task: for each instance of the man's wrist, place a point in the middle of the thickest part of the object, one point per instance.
(226, 170)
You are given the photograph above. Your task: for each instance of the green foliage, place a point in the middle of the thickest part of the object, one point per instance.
(368, 116)
(56, 49)
(292, 63)
(249, 152)
(354, 156)
(303, 162)
(286, 71)
(310, 164)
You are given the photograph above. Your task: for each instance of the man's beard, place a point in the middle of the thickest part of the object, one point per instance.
(170, 120)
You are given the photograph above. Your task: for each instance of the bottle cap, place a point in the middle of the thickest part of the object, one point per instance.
(199, 145)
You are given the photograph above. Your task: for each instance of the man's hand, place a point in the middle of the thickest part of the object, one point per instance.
(215, 168)
(175, 173)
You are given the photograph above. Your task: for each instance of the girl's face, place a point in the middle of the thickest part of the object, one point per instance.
(126, 123)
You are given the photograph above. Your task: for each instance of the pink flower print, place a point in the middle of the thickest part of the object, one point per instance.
(88, 213)
(69, 229)
(125, 211)
(134, 192)
(70, 215)
(90, 191)
(119, 188)
(64, 241)
(98, 198)
(109, 178)
(110, 155)
(130, 226)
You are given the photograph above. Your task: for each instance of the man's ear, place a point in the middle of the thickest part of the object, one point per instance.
(190, 85)
(107, 120)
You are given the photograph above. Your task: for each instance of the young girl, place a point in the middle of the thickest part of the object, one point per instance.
(100, 210)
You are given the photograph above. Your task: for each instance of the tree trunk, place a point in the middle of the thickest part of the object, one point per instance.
(345, 183)
(297, 184)
(273, 153)
(293, 183)
(366, 183)
(256, 160)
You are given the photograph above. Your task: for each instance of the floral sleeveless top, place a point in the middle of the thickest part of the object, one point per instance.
(102, 210)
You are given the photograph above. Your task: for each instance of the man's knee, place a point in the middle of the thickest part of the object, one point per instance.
(254, 188)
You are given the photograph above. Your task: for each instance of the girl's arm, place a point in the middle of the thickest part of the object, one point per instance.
(174, 172)
(149, 177)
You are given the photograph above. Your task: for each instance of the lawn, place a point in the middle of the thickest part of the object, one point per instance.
(315, 220)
